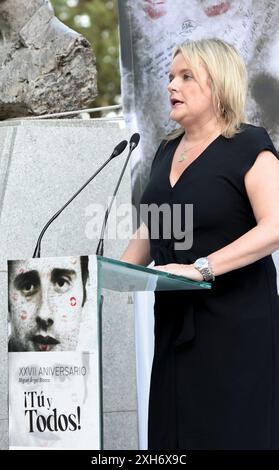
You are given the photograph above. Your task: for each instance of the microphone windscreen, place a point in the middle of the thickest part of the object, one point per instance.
(134, 140)
(120, 148)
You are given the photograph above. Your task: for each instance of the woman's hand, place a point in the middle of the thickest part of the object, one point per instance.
(186, 270)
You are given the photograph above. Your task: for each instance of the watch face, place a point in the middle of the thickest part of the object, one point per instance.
(201, 263)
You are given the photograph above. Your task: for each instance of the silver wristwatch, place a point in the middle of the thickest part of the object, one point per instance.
(204, 267)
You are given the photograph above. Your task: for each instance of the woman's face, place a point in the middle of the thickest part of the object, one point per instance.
(191, 100)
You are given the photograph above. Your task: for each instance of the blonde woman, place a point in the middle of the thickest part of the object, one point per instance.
(215, 374)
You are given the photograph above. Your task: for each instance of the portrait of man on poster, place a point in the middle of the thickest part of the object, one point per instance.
(46, 300)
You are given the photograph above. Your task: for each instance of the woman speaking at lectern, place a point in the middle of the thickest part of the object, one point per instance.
(215, 373)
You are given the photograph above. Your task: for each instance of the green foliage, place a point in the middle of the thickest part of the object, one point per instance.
(97, 21)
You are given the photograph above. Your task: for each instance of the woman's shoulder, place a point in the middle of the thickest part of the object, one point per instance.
(253, 138)
(250, 132)
(249, 142)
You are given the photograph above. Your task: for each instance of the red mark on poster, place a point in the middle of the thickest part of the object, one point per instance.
(154, 8)
(23, 315)
(73, 301)
(218, 9)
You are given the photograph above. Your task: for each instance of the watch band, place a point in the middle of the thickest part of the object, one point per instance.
(204, 267)
(207, 274)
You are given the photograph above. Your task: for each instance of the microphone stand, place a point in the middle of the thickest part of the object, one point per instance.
(133, 144)
(118, 149)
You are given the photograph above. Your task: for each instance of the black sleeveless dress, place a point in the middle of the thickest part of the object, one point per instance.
(215, 373)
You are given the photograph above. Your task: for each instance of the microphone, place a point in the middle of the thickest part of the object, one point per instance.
(117, 151)
(134, 140)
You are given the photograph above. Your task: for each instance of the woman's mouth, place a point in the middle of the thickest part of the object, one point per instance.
(176, 103)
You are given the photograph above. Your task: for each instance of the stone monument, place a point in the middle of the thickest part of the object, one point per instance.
(45, 67)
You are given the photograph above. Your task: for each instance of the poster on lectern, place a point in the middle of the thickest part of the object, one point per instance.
(54, 374)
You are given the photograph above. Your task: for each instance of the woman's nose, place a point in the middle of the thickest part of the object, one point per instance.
(172, 86)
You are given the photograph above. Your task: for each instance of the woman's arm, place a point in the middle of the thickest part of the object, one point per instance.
(138, 249)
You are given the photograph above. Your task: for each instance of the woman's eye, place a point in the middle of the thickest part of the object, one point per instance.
(186, 76)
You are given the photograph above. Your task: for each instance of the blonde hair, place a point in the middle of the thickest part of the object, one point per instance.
(228, 75)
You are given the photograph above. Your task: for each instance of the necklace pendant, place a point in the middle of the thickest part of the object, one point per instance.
(181, 158)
